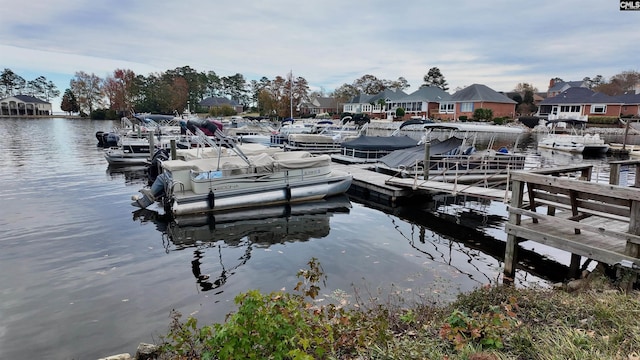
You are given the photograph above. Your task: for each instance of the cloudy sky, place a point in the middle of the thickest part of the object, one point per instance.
(330, 42)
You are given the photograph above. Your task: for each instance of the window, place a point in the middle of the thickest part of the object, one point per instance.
(598, 109)
(447, 108)
(466, 107)
(570, 108)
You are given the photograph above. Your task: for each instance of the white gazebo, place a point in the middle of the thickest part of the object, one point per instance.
(24, 105)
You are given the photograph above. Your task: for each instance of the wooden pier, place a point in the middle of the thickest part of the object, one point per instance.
(597, 221)
(374, 184)
(560, 207)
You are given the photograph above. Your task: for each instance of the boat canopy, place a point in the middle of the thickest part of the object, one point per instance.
(474, 127)
(364, 142)
(408, 157)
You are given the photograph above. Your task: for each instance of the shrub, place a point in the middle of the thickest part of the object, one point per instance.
(483, 114)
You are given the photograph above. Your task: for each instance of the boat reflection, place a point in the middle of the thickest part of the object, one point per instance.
(230, 237)
(132, 174)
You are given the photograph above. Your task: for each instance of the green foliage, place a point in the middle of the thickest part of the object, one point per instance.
(604, 120)
(104, 114)
(487, 329)
(222, 110)
(462, 118)
(400, 112)
(501, 120)
(483, 114)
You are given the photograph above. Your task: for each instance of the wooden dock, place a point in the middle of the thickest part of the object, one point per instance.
(373, 183)
(596, 221)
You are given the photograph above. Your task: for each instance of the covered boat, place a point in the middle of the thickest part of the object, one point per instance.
(368, 149)
(234, 182)
(456, 158)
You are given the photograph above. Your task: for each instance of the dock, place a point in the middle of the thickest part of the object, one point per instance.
(590, 220)
(371, 184)
(559, 207)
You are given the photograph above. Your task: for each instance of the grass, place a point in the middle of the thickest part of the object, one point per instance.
(597, 321)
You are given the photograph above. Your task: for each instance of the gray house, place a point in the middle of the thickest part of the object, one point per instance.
(217, 101)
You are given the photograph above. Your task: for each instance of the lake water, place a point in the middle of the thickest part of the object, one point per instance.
(87, 276)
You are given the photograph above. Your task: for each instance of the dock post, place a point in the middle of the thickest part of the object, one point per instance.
(151, 145)
(511, 249)
(614, 174)
(427, 156)
(174, 155)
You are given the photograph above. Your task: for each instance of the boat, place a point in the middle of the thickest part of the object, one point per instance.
(453, 154)
(575, 140)
(368, 149)
(234, 182)
(329, 137)
(251, 131)
(289, 126)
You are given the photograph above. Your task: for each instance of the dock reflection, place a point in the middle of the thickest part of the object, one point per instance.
(463, 225)
(230, 237)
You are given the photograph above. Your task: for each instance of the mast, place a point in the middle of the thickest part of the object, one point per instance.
(291, 93)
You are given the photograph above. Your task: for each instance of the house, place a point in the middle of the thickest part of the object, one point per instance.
(557, 87)
(577, 103)
(630, 104)
(217, 101)
(24, 105)
(424, 102)
(373, 105)
(319, 105)
(477, 96)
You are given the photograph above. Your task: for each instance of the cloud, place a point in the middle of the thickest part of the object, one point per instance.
(497, 43)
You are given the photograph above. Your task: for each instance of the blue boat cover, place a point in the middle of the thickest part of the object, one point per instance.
(408, 157)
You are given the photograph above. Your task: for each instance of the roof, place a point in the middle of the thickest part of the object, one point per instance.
(580, 95)
(428, 93)
(27, 99)
(629, 98)
(386, 94)
(217, 101)
(560, 85)
(479, 92)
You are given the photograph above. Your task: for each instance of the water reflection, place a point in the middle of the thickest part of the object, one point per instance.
(131, 174)
(223, 242)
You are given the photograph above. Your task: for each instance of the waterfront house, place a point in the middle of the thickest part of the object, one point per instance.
(217, 101)
(630, 104)
(373, 105)
(577, 103)
(425, 102)
(319, 105)
(24, 105)
(478, 96)
(557, 87)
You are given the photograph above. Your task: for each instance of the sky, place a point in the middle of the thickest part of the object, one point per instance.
(330, 42)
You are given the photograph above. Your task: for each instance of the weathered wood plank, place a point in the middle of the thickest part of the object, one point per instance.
(570, 224)
(614, 191)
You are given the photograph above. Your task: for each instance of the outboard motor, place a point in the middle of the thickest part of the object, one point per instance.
(100, 137)
(154, 168)
(111, 139)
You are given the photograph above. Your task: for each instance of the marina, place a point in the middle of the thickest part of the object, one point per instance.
(92, 276)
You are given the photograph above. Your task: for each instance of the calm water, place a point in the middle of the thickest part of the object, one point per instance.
(86, 276)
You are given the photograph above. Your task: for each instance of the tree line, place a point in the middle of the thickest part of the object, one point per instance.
(124, 92)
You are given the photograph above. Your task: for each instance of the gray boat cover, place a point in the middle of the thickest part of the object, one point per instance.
(364, 142)
(408, 157)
